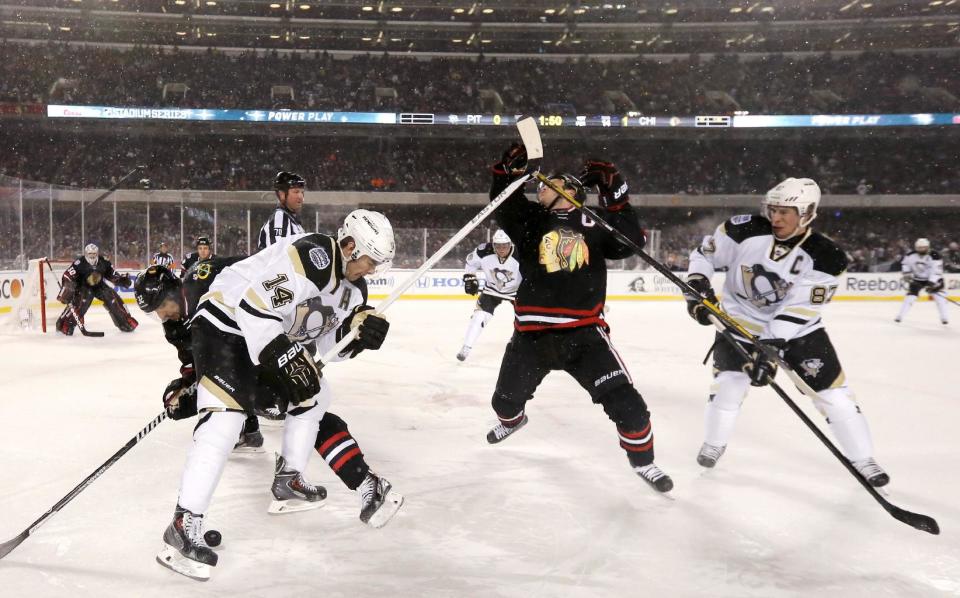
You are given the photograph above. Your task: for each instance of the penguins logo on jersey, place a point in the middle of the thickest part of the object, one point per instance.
(812, 367)
(763, 288)
(503, 277)
(563, 249)
(312, 320)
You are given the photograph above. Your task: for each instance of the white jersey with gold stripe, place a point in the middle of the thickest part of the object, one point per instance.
(775, 289)
(295, 287)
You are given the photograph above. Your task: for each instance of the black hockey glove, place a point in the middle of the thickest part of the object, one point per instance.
(697, 310)
(760, 368)
(124, 281)
(512, 162)
(292, 367)
(372, 330)
(613, 190)
(471, 286)
(934, 287)
(180, 398)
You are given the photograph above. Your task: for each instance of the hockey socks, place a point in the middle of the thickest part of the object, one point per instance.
(340, 451)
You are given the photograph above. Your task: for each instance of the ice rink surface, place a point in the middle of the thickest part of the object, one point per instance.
(553, 511)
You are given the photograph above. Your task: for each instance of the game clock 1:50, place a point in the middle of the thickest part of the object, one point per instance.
(551, 120)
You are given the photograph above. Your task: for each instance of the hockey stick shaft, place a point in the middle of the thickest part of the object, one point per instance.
(944, 295)
(9, 545)
(729, 326)
(531, 138)
(109, 191)
(73, 310)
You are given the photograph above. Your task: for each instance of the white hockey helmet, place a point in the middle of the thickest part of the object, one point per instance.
(372, 235)
(922, 245)
(91, 253)
(802, 194)
(501, 238)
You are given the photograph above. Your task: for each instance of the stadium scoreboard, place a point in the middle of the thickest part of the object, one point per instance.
(630, 121)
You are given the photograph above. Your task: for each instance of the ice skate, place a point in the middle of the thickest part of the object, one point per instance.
(292, 493)
(654, 476)
(873, 473)
(462, 355)
(500, 431)
(185, 550)
(378, 501)
(250, 442)
(710, 454)
(271, 416)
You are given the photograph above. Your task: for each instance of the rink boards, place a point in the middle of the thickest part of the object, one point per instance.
(621, 286)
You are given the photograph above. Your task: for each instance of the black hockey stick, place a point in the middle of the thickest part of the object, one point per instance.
(108, 192)
(729, 325)
(8, 546)
(73, 310)
(944, 295)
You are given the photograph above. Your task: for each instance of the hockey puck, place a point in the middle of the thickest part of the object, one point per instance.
(212, 538)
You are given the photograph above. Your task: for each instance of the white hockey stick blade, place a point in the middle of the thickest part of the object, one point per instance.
(171, 558)
(530, 135)
(391, 504)
(293, 505)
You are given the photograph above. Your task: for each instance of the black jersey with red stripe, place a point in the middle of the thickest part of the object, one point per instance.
(562, 257)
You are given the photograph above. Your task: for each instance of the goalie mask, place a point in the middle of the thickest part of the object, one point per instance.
(802, 194)
(372, 236)
(155, 285)
(91, 253)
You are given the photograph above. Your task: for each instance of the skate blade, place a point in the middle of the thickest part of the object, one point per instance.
(248, 449)
(171, 558)
(391, 504)
(293, 505)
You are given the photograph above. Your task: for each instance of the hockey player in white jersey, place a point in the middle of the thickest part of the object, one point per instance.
(780, 276)
(242, 324)
(923, 271)
(500, 278)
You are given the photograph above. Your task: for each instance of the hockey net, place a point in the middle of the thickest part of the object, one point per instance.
(37, 308)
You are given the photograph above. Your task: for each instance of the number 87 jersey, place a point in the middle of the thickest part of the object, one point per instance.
(773, 288)
(262, 296)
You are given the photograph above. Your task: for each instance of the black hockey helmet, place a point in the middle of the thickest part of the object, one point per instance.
(285, 180)
(571, 183)
(155, 285)
(202, 241)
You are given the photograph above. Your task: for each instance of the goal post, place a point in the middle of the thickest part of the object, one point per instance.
(36, 308)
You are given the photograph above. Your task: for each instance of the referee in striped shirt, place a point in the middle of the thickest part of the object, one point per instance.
(285, 220)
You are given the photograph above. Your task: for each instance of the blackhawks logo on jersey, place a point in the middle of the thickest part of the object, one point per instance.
(763, 288)
(563, 249)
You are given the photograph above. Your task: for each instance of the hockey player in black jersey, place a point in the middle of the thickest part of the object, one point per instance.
(203, 252)
(559, 321)
(84, 281)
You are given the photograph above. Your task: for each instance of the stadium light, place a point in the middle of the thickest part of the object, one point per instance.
(396, 9)
(274, 5)
(458, 11)
(367, 9)
(487, 11)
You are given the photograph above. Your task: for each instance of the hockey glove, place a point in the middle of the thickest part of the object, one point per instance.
(67, 292)
(761, 369)
(292, 367)
(696, 309)
(371, 330)
(471, 285)
(180, 399)
(609, 182)
(123, 281)
(907, 277)
(934, 287)
(512, 162)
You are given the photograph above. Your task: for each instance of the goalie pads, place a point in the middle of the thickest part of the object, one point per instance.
(67, 291)
(291, 367)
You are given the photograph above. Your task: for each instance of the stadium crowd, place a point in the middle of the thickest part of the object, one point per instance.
(770, 84)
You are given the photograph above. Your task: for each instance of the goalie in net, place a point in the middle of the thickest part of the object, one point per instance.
(84, 281)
